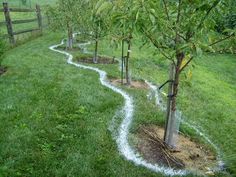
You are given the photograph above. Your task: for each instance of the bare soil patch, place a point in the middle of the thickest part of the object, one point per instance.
(134, 84)
(190, 155)
(2, 70)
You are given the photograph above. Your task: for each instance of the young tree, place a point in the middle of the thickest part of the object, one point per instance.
(96, 23)
(63, 17)
(123, 22)
(180, 30)
(81, 17)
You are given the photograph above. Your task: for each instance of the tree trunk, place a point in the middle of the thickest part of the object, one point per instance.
(169, 103)
(127, 61)
(172, 127)
(95, 58)
(70, 37)
(122, 62)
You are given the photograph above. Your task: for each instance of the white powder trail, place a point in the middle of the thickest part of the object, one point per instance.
(122, 140)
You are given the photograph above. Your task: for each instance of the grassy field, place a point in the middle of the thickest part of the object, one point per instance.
(55, 118)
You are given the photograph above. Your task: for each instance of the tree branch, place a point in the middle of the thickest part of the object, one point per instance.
(177, 37)
(179, 9)
(208, 12)
(169, 58)
(221, 40)
(154, 41)
(166, 10)
(186, 64)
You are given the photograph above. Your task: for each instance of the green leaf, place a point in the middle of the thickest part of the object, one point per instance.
(153, 11)
(152, 18)
(137, 15)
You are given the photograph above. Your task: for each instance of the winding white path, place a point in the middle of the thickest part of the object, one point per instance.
(122, 139)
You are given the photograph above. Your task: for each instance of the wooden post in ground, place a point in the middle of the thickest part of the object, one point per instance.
(9, 23)
(39, 17)
(169, 117)
(122, 62)
(128, 79)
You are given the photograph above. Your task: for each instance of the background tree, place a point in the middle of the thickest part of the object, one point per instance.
(81, 17)
(96, 22)
(179, 30)
(63, 17)
(123, 24)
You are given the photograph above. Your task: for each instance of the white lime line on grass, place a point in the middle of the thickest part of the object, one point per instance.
(122, 140)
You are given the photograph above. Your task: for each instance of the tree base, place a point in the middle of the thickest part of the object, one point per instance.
(188, 155)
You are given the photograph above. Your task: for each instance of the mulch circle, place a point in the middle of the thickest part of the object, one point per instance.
(100, 60)
(2, 70)
(189, 154)
(156, 151)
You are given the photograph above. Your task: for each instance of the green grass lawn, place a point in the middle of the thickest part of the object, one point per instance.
(55, 117)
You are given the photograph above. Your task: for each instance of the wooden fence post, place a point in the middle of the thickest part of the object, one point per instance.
(8, 23)
(39, 16)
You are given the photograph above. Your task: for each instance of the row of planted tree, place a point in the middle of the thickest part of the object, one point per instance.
(178, 29)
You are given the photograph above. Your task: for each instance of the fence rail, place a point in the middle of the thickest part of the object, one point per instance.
(24, 21)
(18, 10)
(9, 22)
(25, 31)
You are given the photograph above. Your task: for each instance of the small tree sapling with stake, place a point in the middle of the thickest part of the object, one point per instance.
(123, 22)
(96, 23)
